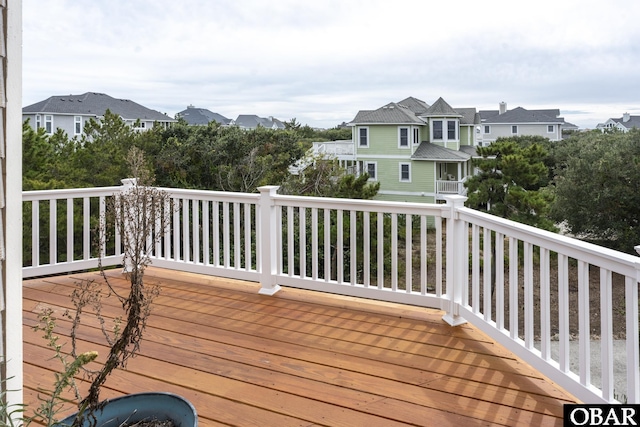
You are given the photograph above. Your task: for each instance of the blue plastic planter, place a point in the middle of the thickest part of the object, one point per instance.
(137, 407)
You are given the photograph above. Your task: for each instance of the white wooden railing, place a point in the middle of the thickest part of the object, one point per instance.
(450, 187)
(474, 266)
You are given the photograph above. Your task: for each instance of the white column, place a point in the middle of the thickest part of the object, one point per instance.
(456, 263)
(11, 203)
(267, 242)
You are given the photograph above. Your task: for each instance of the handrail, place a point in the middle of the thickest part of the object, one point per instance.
(494, 273)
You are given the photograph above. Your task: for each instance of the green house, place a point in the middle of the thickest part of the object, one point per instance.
(418, 152)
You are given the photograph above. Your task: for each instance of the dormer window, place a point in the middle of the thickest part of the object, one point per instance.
(438, 130)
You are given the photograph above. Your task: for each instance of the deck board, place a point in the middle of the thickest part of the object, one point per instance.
(302, 358)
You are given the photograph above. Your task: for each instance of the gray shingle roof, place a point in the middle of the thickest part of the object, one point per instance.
(430, 151)
(95, 104)
(634, 121)
(392, 113)
(416, 105)
(410, 110)
(521, 115)
(440, 108)
(469, 116)
(251, 121)
(469, 149)
(202, 116)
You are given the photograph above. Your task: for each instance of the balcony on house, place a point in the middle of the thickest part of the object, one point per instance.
(450, 186)
(341, 150)
(285, 310)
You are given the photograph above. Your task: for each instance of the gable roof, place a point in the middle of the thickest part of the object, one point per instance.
(392, 113)
(412, 110)
(95, 104)
(429, 151)
(440, 108)
(633, 121)
(201, 116)
(521, 115)
(416, 105)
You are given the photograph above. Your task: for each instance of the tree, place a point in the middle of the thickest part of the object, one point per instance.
(510, 183)
(98, 158)
(598, 175)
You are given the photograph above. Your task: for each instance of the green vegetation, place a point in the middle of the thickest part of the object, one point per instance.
(587, 182)
(201, 157)
(597, 177)
(510, 181)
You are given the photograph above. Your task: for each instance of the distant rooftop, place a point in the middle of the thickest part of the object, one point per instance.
(202, 116)
(95, 104)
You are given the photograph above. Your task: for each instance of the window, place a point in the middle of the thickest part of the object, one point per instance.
(550, 128)
(405, 172)
(371, 170)
(487, 129)
(38, 121)
(77, 125)
(403, 137)
(514, 129)
(437, 129)
(363, 137)
(48, 124)
(416, 135)
(452, 130)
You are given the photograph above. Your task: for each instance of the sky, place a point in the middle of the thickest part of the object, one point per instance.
(322, 61)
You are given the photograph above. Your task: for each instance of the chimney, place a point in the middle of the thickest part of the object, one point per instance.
(503, 107)
(626, 117)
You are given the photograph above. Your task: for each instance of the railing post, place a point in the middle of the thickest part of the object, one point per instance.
(127, 185)
(456, 263)
(267, 243)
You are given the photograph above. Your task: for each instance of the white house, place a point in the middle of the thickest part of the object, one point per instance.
(624, 123)
(519, 121)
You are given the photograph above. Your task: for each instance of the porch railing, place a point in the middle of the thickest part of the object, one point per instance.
(510, 280)
(450, 187)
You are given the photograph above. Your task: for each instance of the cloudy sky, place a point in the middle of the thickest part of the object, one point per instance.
(322, 61)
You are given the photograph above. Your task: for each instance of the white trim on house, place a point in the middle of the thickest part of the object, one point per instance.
(77, 125)
(387, 156)
(366, 136)
(407, 193)
(401, 172)
(445, 136)
(407, 137)
(363, 166)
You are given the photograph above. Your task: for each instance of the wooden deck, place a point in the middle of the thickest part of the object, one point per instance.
(301, 358)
